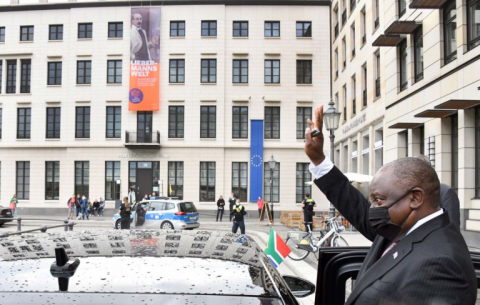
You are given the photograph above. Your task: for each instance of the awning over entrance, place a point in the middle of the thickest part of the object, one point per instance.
(402, 27)
(427, 3)
(388, 41)
(435, 113)
(406, 125)
(458, 104)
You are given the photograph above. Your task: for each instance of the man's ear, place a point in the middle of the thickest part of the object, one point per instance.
(417, 198)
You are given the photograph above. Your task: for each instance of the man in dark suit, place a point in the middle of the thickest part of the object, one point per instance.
(418, 256)
(448, 197)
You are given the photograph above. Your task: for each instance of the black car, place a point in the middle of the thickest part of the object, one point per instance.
(141, 267)
(6, 215)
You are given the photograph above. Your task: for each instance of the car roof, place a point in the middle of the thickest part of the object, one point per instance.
(214, 255)
(165, 199)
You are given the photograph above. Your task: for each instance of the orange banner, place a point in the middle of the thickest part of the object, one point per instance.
(144, 94)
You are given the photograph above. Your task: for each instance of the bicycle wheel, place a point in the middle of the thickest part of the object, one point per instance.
(339, 241)
(297, 253)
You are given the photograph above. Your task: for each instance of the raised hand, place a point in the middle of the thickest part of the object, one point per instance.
(314, 146)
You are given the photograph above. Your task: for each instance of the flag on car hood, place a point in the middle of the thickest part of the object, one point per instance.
(276, 250)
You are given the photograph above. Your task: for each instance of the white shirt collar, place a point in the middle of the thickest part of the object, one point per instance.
(424, 220)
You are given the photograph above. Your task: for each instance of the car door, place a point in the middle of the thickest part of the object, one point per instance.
(155, 214)
(139, 212)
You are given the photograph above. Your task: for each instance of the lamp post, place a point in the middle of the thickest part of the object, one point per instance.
(331, 118)
(271, 164)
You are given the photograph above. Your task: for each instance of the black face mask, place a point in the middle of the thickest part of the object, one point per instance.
(381, 222)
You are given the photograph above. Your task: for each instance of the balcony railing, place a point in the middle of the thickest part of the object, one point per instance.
(344, 17)
(377, 87)
(142, 138)
(336, 30)
(365, 98)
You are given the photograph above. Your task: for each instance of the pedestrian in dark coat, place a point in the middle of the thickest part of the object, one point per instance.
(220, 207)
(125, 214)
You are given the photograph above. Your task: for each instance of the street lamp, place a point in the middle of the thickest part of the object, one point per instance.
(331, 117)
(271, 163)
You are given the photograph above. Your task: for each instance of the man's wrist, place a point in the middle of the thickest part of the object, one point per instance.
(318, 161)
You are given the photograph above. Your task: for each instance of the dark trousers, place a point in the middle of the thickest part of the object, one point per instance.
(237, 224)
(125, 223)
(78, 210)
(231, 208)
(220, 213)
(260, 214)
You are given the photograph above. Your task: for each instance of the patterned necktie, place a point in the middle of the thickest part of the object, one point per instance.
(390, 247)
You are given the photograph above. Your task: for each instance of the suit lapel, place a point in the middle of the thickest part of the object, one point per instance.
(379, 268)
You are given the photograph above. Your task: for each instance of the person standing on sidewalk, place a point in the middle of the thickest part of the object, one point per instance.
(71, 206)
(124, 213)
(131, 196)
(101, 207)
(260, 206)
(78, 206)
(231, 203)
(13, 205)
(307, 205)
(238, 213)
(220, 207)
(84, 203)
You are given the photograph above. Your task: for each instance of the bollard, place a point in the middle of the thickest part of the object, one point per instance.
(43, 229)
(70, 225)
(65, 227)
(19, 224)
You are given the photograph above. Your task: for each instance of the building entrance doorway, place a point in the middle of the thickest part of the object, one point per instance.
(143, 178)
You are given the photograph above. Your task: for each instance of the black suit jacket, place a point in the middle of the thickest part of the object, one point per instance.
(431, 265)
(449, 201)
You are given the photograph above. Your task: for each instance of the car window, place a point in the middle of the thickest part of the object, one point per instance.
(170, 206)
(188, 207)
(156, 206)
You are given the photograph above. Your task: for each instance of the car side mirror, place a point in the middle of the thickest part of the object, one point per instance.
(300, 288)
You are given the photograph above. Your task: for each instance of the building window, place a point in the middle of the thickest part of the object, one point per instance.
(209, 71)
(114, 122)
(53, 122)
(344, 12)
(208, 124)
(23, 180)
(112, 174)
(240, 180)
(376, 14)
(450, 32)
(26, 72)
(175, 179)
(85, 30)
(364, 85)
(240, 29)
(303, 175)
(304, 71)
(377, 74)
(23, 123)
(402, 7)
(455, 152)
(240, 122)
(354, 95)
(209, 28)
(352, 30)
(114, 71)
(54, 73)
(477, 152)
(52, 180)
(84, 72)
(82, 124)
(26, 33)
(1, 75)
(402, 50)
(418, 52)
(272, 28)
(473, 21)
(55, 32)
(240, 71)
(303, 114)
(177, 28)
(344, 103)
(304, 29)
(115, 29)
(177, 70)
(272, 71)
(335, 21)
(344, 52)
(2, 34)
(1, 118)
(11, 76)
(364, 26)
(82, 178)
(275, 182)
(336, 63)
(272, 123)
(176, 117)
(207, 181)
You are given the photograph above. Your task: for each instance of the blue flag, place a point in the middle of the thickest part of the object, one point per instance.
(256, 160)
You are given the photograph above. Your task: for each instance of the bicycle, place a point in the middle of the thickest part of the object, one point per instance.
(301, 244)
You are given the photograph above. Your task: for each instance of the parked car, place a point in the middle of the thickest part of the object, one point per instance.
(6, 215)
(162, 214)
(142, 266)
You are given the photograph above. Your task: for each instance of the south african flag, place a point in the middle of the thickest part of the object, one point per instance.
(276, 250)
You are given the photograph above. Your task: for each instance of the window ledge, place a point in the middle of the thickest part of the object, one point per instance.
(305, 38)
(364, 107)
(305, 85)
(84, 85)
(361, 47)
(55, 40)
(209, 37)
(177, 84)
(115, 38)
(24, 94)
(240, 84)
(48, 86)
(176, 139)
(82, 139)
(114, 84)
(23, 140)
(208, 139)
(26, 41)
(113, 139)
(344, 68)
(240, 139)
(272, 140)
(84, 39)
(377, 98)
(272, 37)
(375, 29)
(2, 42)
(209, 84)
(240, 37)
(272, 84)
(52, 139)
(177, 37)
(353, 57)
